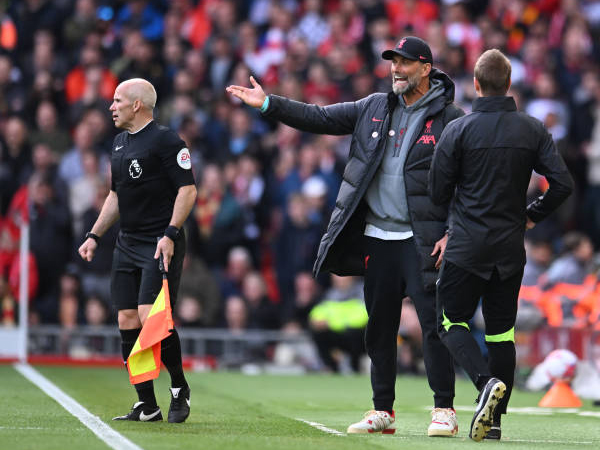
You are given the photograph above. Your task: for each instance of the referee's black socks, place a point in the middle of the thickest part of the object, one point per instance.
(145, 390)
(170, 354)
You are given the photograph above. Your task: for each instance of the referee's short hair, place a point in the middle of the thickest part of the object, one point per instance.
(492, 71)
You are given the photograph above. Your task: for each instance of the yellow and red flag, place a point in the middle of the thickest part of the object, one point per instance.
(144, 360)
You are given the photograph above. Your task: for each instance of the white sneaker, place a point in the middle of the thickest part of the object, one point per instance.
(374, 422)
(443, 422)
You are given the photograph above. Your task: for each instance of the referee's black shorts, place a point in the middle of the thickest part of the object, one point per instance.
(135, 275)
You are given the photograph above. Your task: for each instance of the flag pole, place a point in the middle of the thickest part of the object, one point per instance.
(23, 291)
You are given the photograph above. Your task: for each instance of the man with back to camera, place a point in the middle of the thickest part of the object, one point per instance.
(152, 193)
(384, 225)
(483, 161)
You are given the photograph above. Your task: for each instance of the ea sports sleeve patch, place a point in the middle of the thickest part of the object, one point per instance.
(184, 160)
(176, 159)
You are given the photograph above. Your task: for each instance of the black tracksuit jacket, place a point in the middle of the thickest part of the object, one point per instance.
(485, 160)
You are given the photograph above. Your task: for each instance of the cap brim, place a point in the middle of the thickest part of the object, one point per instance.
(389, 54)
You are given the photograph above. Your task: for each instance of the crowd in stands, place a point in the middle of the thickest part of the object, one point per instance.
(265, 191)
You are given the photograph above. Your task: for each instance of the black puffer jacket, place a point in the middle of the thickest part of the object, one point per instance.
(368, 120)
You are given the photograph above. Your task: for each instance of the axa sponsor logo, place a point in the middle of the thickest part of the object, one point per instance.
(426, 139)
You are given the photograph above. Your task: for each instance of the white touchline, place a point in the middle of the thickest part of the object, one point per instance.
(112, 438)
(322, 427)
(543, 441)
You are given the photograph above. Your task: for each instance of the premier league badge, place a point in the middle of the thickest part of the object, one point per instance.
(135, 170)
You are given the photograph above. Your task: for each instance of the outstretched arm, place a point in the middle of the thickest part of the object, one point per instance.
(254, 96)
(338, 119)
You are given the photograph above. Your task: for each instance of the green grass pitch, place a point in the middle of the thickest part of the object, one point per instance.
(234, 411)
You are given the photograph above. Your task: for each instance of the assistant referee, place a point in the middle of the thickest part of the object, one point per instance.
(152, 193)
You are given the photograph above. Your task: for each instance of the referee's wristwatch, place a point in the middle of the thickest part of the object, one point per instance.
(94, 236)
(172, 232)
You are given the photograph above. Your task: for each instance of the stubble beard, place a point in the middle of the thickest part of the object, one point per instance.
(411, 85)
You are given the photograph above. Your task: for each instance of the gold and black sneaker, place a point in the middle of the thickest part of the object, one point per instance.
(488, 399)
(495, 432)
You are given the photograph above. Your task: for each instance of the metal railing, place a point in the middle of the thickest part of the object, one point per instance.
(225, 346)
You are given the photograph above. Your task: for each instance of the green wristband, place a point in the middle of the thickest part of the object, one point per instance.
(265, 105)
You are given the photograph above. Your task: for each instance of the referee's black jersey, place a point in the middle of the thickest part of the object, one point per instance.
(148, 168)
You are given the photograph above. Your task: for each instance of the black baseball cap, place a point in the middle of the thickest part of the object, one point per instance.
(411, 47)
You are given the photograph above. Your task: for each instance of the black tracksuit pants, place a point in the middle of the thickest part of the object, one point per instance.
(392, 272)
(459, 292)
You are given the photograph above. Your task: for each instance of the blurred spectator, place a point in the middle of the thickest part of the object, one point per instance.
(411, 14)
(548, 109)
(539, 256)
(236, 314)
(15, 160)
(33, 15)
(587, 128)
(575, 263)
(141, 15)
(44, 57)
(12, 94)
(306, 167)
(461, 31)
(262, 313)
(569, 298)
(217, 219)
(103, 134)
(96, 312)
(199, 298)
(339, 321)
(71, 166)
(78, 25)
(51, 244)
(221, 62)
(318, 85)
(306, 296)
(70, 298)
(239, 264)
(89, 76)
(8, 305)
(8, 31)
(44, 162)
(314, 191)
(312, 26)
(574, 55)
(241, 138)
(144, 64)
(48, 129)
(300, 238)
(83, 190)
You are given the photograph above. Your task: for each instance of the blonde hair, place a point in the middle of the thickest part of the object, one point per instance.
(492, 71)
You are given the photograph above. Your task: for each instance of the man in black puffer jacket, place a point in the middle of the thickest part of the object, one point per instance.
(384, 226)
